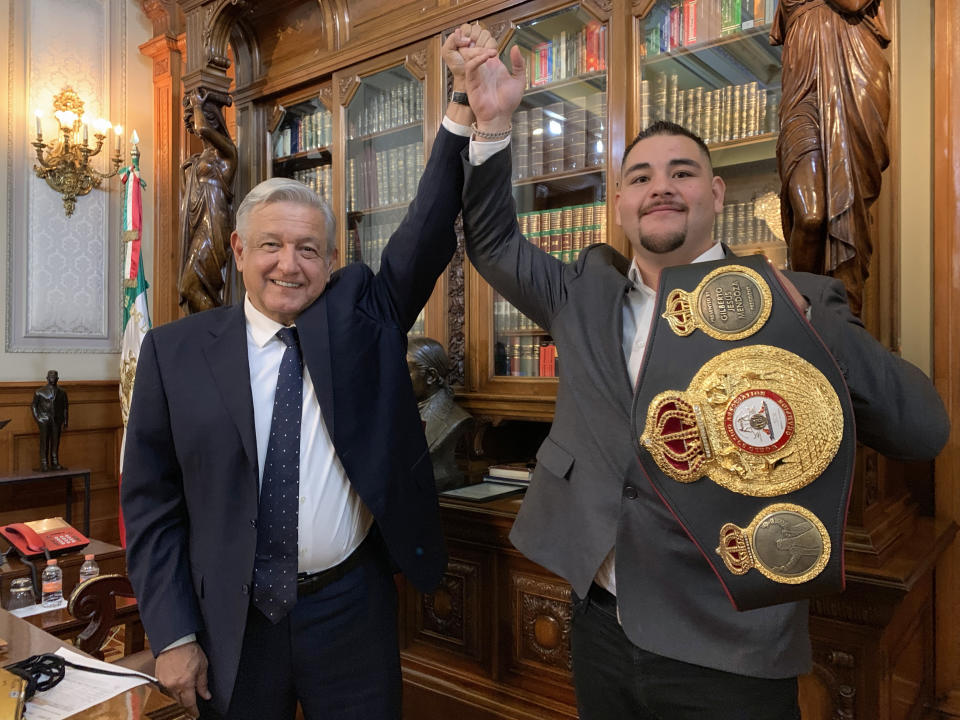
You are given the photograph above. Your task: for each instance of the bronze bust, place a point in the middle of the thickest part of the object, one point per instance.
(444, 421)
(50, 412)
(206, 193)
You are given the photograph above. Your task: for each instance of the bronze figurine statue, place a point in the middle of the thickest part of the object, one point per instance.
(832, 146)
(206, 194)
(444, 421)
(50, 411)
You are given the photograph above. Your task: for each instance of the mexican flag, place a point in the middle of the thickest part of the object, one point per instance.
(136, 316)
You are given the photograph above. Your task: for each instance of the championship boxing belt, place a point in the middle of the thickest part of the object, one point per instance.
(745, 428)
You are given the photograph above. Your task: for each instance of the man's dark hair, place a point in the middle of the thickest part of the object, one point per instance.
(665, 127)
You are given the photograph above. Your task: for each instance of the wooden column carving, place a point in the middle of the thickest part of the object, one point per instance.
(946, 323)
(165, 51)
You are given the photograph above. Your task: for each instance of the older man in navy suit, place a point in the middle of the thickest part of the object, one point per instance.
(276, 471)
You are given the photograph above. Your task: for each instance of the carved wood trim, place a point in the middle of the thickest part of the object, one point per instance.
(640, 8)
(325, 95)
(167, 54)
(541, 619)
(946, 323)
(216, 31)
(600, 9)
(416, 64)
(347, 87)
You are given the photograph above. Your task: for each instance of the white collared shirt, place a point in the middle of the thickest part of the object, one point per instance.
(333, 518)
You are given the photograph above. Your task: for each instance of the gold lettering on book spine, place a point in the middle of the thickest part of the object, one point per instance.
(757, 420)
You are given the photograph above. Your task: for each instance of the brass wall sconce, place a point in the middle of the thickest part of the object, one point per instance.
(66, 165)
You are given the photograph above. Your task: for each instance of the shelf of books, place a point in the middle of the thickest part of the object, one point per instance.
(708, 65)
(384, 162)
(301, 146)
(559, 148)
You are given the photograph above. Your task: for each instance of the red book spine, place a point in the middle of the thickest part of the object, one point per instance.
(690, 22)
(591, 46)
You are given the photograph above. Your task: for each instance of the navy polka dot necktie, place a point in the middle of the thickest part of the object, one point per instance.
(275, 566)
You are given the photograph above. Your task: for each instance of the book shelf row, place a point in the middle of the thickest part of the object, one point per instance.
(566, 55)
(368, 236)
(527, 356)
(564, 232)
(729, 113)
(752, 222)
(674, 24)
(304, 132)
(319, 179)
(387, 109)
(561, 136)
(384, 177)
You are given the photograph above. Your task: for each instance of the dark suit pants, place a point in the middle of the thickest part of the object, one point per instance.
(336, 652)
(616, 680)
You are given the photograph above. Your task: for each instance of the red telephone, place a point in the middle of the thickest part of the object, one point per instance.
(52, 536)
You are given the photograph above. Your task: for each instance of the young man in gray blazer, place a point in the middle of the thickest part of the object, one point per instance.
(654, 635)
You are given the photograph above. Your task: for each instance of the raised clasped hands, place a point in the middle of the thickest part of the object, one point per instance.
(494, 91)
(464, 37)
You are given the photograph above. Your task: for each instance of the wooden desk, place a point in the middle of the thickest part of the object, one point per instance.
(26, 640)
(110, 558)
(67, 475)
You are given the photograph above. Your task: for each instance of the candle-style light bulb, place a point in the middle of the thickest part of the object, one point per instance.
(38, 113)
(118, 131)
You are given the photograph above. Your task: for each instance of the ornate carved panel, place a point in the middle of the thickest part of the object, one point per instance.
(541, 622)
(456, 310)
(450, 615)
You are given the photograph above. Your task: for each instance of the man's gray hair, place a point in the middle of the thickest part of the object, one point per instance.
(280, 189)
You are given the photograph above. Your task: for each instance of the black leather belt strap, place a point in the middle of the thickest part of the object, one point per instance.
(308, 584)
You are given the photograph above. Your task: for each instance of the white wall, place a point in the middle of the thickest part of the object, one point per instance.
(32, 222)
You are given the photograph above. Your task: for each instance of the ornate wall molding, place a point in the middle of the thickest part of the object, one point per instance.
(63, 284)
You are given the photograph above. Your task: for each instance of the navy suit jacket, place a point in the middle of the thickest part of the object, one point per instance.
(190, 471)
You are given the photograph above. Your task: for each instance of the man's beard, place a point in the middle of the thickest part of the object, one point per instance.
(662, 244)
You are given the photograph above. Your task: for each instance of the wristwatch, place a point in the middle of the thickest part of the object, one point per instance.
(460, 98)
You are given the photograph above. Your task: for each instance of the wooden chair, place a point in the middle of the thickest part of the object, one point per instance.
(105, 602)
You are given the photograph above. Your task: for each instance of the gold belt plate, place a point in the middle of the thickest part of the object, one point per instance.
(757, 420)
(730, 303)
(785, 542)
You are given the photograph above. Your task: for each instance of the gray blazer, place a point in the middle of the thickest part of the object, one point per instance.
(588, 492)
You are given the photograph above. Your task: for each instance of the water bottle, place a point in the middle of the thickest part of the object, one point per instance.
(89, 569)
(51, 581)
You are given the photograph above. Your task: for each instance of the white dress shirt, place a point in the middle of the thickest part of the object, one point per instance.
(333, 520)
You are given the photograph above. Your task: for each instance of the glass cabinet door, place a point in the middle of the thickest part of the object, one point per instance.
(708, 65)
(384, 162)
(559, 150)
(300, 144)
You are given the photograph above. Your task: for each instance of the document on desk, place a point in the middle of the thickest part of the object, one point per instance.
(79, 689)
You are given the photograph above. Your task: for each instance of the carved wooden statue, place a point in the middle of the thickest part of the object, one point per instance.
(206, 193)
(444, 421)
(832, 147)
